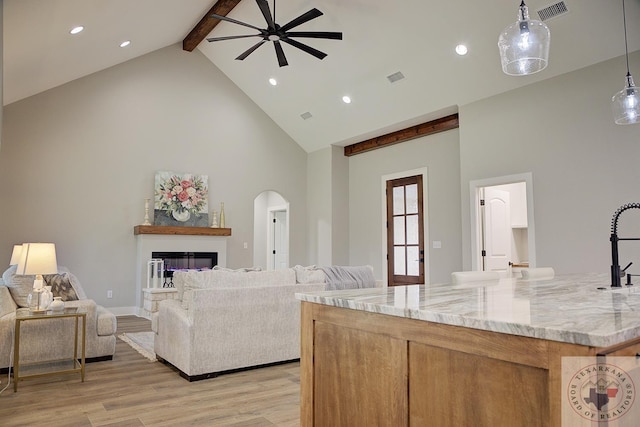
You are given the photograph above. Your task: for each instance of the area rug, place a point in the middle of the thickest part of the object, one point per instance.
(142, 342)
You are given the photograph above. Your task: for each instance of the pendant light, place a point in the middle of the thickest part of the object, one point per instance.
(524, 45)
(626, 103)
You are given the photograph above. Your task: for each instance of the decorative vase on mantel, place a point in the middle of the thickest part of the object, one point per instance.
(181, 215)
(222, 225)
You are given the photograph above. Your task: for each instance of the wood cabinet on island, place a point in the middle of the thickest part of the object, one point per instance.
(476, 354)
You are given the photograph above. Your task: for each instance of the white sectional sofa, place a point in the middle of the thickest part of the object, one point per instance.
(51, 339)
(227, 320)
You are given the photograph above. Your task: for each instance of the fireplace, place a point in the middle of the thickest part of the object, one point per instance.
(184, 260)
(174, 240)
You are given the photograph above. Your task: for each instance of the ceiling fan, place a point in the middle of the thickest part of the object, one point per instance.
(276, 33)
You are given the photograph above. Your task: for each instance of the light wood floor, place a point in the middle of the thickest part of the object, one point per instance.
(132, 391)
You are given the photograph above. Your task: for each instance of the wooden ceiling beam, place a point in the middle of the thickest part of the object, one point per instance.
(207, 23)
(424, 129)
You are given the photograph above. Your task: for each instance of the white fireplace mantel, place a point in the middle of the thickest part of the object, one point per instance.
(154, 241)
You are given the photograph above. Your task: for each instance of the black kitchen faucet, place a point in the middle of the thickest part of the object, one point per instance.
(616, 271)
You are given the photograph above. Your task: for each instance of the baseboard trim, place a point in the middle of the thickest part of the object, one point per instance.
(200, 377)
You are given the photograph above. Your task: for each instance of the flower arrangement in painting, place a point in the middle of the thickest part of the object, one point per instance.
(181, 194)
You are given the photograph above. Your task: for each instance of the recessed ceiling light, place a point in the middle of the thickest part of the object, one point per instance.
(273, 82)
(125, 43)
(346, 99)
(461, 49)
(76, 30)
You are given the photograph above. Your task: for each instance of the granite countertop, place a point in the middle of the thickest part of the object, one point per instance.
(567, 308)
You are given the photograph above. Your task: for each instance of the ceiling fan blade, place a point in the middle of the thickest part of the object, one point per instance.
(316, 34)
(264, 8)
(305, 17)
(249, 51)
(216, 39)
(235, 21)
(306, 48)
(282, 60)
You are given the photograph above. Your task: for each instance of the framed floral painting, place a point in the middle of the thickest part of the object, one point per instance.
(181, 199)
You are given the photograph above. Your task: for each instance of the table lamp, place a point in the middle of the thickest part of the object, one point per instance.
(37, 259)
(15, 255)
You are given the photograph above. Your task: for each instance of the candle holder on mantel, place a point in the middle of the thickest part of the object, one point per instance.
(214, 219)
(146, 212)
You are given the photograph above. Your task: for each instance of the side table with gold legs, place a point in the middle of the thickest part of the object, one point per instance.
(50, 367)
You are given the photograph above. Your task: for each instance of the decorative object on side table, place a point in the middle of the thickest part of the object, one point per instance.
(57, 305)
(38, 259)
(181, 199)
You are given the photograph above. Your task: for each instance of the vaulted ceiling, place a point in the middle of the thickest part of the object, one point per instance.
(380, 38)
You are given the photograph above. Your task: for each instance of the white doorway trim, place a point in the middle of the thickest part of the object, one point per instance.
(474, 195)
(263, 204)
(271, 238)
(425, 217)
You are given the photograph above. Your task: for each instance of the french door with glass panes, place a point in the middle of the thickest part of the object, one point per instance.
(405, 231)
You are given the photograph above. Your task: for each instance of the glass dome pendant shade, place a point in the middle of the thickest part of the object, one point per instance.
(626, 103)
(524, 45)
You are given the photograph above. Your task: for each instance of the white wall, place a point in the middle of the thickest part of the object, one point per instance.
(80, 159)
(339, 206)
(1, 66)
(440, 155)
(319, 207)
(584, 166)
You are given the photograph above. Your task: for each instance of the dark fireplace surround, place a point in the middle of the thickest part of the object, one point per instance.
(174, 261)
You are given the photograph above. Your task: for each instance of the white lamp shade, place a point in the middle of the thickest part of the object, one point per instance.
(626, 104)
(15, 255)
(38, 258)
(524, 45)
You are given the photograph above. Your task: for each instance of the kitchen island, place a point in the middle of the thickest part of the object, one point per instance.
(475, 354)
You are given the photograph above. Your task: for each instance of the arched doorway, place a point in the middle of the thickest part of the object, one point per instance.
(271, 231)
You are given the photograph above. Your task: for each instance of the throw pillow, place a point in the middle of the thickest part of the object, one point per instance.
(310, 274)
(61, 286)
(19, 286)
(77, 286)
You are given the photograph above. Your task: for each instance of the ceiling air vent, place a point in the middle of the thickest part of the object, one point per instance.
(552, 11)
(306, 115)
(395, 77)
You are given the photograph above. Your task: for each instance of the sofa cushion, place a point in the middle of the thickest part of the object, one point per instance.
(107, 323)
(61, 286)
(193, 280)
(286, 276)
(237, 270)
(309, 274)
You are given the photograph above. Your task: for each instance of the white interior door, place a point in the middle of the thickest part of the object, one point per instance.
(497, 229)
(280, 243)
